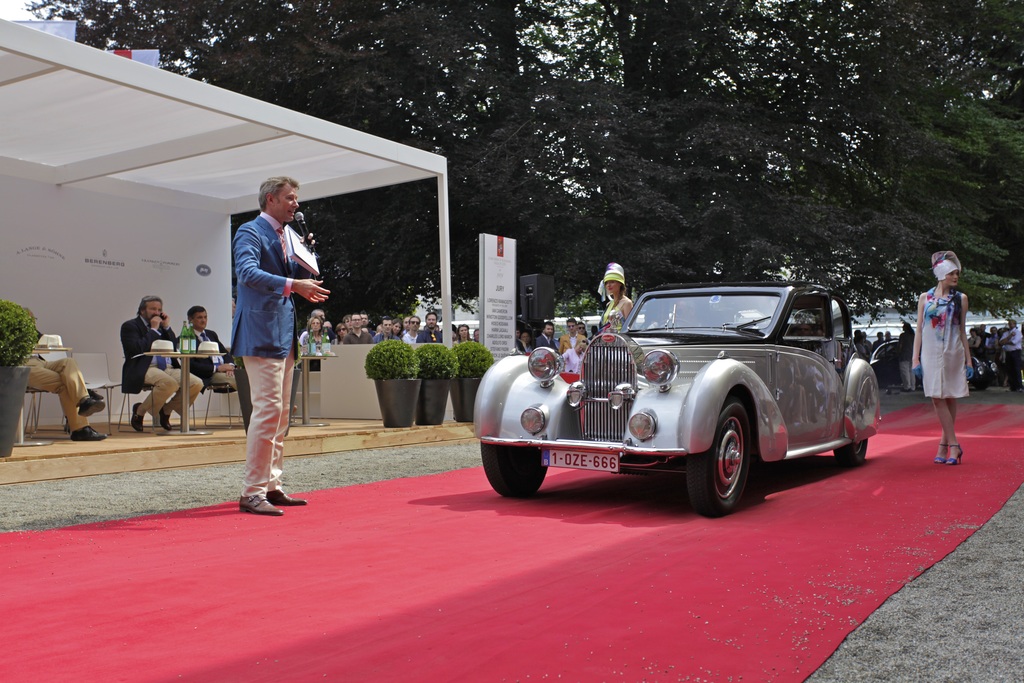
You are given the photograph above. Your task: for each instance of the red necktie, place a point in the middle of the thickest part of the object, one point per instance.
(284, 247)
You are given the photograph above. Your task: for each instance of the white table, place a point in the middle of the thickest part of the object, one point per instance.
(305, 360)
(184, 359)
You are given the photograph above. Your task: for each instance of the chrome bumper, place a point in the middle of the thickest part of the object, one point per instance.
(619, 449)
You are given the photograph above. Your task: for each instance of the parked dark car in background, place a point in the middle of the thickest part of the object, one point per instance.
(886, 364)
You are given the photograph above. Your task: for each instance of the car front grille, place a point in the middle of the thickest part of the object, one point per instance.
(607, 364)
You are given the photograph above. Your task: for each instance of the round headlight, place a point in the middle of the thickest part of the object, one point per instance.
(576, 393)
(545, 364)
(533, 419)
(643, 425)
(660, 367)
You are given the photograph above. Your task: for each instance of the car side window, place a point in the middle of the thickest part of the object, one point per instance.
(806, 325)
(806, 319)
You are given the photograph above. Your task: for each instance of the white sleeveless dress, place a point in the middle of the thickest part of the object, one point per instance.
(942, 350)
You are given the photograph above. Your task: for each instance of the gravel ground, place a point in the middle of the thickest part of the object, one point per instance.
(962, 620)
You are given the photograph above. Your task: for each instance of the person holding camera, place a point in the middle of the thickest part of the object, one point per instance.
(163, 374)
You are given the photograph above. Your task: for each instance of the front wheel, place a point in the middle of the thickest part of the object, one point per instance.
(853, 454)
(514, 472)
(715, 479)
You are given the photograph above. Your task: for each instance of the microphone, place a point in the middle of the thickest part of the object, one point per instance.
(300, 220)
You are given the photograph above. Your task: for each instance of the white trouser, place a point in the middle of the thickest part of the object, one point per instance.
(270, 381)
(907, 376)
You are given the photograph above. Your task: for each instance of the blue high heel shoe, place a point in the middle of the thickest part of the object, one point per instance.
(955, 461)
(939, 459)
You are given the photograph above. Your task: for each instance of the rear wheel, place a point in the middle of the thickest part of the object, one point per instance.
(852, 455)
(513, 471)
(715, 479)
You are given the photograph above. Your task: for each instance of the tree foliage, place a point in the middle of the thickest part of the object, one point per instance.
(688, 140)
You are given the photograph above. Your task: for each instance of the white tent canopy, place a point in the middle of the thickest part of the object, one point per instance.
(78, 117)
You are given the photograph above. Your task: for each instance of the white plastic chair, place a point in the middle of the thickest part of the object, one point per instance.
(96, 374)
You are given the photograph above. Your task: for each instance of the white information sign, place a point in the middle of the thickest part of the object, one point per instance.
(498, 294)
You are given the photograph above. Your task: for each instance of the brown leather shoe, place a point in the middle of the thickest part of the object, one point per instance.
(282, 498)
(165, 420)
(258, 505)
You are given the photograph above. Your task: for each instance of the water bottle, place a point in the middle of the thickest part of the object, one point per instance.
(183, 346)
(327, 345)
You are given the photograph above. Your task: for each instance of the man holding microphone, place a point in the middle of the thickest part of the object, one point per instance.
(264, 337)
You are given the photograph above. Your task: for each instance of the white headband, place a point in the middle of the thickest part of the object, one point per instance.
(944, 268)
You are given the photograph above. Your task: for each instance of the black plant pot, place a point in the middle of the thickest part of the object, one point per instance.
(397, 399)
(433, 401)
(13, 382)
(464, 397)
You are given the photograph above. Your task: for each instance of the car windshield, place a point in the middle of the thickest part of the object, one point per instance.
(703, 313)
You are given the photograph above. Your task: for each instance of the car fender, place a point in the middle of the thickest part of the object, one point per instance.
(862, 410)
(692, 424)
(507, 389)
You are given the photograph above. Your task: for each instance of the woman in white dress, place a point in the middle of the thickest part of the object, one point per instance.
(942, 357)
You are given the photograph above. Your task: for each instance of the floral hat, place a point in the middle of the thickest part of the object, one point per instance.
(944, 263)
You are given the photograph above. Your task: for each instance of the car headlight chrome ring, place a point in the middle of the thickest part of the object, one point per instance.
(643, 425)
(660, 367)
(534, 419)
(544, 364)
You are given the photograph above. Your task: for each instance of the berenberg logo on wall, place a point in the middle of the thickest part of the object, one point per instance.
(105, 261)
(203, 269)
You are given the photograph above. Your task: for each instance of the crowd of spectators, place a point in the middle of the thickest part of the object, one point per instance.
(1002, 346)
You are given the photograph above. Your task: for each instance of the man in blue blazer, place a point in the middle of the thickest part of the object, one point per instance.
(264, 337)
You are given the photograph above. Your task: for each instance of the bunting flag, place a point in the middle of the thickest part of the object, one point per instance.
(149, 57)
(61, 29)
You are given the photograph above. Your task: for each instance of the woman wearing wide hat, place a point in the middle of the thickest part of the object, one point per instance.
(613, 288)
(942, 357)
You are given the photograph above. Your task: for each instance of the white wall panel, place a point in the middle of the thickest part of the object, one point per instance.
(81, 261)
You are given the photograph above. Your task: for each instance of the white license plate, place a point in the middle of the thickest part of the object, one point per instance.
(601, 462)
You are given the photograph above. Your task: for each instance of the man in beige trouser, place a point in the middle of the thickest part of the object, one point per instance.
(137, 337)
(62, 377)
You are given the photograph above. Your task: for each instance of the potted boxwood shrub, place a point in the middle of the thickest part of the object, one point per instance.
(474, 360)
(438, 366)
(18, 337)
(393, 367)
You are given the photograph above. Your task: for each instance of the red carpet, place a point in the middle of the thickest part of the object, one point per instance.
(599, 578)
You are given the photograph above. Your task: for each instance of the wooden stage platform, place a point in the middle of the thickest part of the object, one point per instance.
(133, 452)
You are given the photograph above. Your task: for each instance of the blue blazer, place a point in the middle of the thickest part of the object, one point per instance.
(264, 323)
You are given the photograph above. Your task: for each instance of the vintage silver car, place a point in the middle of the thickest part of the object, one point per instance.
(699, 380)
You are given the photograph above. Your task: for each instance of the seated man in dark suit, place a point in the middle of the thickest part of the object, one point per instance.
(216, 369)
(137, 336)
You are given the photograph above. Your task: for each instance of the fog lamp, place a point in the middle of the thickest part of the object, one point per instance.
(621, 394)
(576, 393)
(534, 419)
(643, 424)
